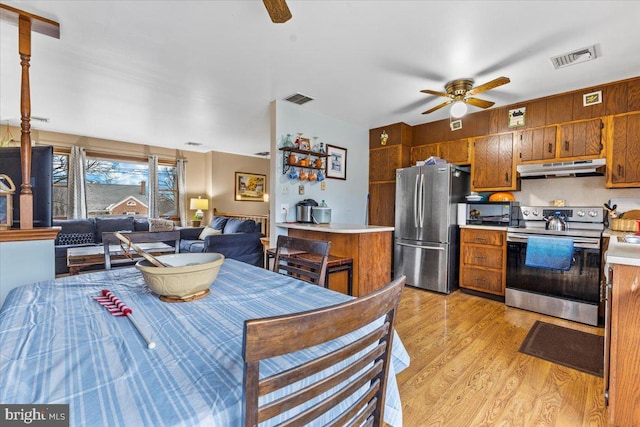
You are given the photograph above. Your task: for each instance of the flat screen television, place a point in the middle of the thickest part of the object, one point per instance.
(41, 182)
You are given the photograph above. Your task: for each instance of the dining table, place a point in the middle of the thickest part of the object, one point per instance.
(58, 345)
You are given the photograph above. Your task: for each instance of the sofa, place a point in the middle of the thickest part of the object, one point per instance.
(88, 232)
(234, 238)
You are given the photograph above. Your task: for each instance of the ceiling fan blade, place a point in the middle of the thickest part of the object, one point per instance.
(437, 107)
(434, 92)
(489, 85)
(278, 10)
(479, 102)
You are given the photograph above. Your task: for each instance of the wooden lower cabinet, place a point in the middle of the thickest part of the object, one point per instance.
(624, 367)
(483, 258)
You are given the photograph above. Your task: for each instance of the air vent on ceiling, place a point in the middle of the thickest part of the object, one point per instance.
(262, 153)
(298, 98)
(193, 144)
(40, 119)
(576, 57)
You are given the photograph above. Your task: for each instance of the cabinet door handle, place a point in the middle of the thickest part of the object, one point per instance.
(481, 257)
(549, 147)
(620, 170)
(478, 240)
(566, 145)
(506, 177)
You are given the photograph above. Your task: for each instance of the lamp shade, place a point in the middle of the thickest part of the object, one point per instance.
(199, 204)
(458, 109)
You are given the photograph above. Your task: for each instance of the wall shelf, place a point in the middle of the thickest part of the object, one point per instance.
(286, 165)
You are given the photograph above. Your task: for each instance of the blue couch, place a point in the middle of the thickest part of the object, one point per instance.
(88, 232)
(239, 239)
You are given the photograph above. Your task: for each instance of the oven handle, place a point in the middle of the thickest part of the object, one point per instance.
(577, 241)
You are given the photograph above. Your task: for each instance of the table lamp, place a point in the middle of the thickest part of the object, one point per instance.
(199, 204)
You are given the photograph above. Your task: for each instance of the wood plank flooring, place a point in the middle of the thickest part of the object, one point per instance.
(466, 369)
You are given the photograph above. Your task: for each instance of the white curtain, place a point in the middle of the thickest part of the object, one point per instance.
(153, 186)
(76, 188)
(182, 191)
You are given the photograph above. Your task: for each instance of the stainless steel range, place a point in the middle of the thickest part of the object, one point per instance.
(572, 294)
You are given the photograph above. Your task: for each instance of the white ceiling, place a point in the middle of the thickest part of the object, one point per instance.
(167, 72)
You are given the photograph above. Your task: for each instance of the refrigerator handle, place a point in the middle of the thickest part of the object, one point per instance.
(421, 200)
(415, 202)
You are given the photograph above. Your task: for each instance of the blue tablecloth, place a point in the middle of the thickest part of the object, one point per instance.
(57, 345)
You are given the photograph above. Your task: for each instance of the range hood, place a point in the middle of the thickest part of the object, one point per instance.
(573, 168)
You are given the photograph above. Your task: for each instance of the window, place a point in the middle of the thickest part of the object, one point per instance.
(60, 175)
(115, 185)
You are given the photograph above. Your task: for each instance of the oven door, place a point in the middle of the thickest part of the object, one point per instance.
(572, 294)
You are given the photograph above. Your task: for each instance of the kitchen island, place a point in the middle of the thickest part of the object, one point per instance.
(622, 349)
(368, 245)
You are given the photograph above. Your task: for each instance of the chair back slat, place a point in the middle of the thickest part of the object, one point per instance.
(291, 376)
(312, 270)
(363, 362)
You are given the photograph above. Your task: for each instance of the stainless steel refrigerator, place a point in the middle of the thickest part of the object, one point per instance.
(426, 237)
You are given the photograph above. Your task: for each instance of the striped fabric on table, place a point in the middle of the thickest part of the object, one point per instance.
(60, 346)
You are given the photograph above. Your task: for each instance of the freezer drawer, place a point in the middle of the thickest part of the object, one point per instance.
(425, 265)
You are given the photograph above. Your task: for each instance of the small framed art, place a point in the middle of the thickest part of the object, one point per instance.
(336, 162)
(592, 98)
(250, 187)
(456, 125)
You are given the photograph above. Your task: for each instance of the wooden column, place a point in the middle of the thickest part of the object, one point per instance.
(26, 194)
(26, 23)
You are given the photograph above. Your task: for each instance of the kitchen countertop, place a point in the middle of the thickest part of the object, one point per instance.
(620, 252)
(484, 227)
(335, 227)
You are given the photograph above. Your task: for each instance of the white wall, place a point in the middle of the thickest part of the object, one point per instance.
(583, 191)
(347, 199)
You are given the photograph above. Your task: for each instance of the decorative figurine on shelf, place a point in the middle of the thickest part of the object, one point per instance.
(384, 138)
(321, 150)
(315, 146)
(298, 140)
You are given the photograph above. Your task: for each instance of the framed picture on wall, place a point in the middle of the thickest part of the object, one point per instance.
(336, 162)
(250, 187)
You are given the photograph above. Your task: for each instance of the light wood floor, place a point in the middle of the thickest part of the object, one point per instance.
(466, 369)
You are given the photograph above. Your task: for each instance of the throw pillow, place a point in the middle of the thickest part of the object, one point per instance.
(235, 225)
(208, 231)
(156, 224)
(218, 222)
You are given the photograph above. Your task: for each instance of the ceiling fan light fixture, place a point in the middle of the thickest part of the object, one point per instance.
(458, 109)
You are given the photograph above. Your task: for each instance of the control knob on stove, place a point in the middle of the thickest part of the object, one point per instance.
(581, 213)
(593, 213)
(536, 212)
(525, 212)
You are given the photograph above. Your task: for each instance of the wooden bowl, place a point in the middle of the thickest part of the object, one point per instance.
(188, 274)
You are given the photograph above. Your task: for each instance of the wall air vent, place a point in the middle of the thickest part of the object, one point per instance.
(576, 57)
(298, 98)
(263, 153)
(193, 144)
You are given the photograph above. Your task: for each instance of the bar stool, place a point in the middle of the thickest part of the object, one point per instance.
(335, 264)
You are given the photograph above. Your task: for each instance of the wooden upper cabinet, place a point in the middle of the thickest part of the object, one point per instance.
(493, 166)
(423, 152)
(456, 152)
(537, 144)
(580, 140)
(624, 155)
(383, 162)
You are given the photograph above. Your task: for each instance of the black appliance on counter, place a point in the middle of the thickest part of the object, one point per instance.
(506, 214)
(573, 294)
(303, 210)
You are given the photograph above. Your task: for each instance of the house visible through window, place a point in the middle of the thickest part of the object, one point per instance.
(114, 186)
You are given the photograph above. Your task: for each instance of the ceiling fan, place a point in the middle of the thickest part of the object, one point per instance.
(460, 91)
(278, 10)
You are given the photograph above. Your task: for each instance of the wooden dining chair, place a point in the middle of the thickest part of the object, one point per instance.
(313, 269)
(364, 362)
